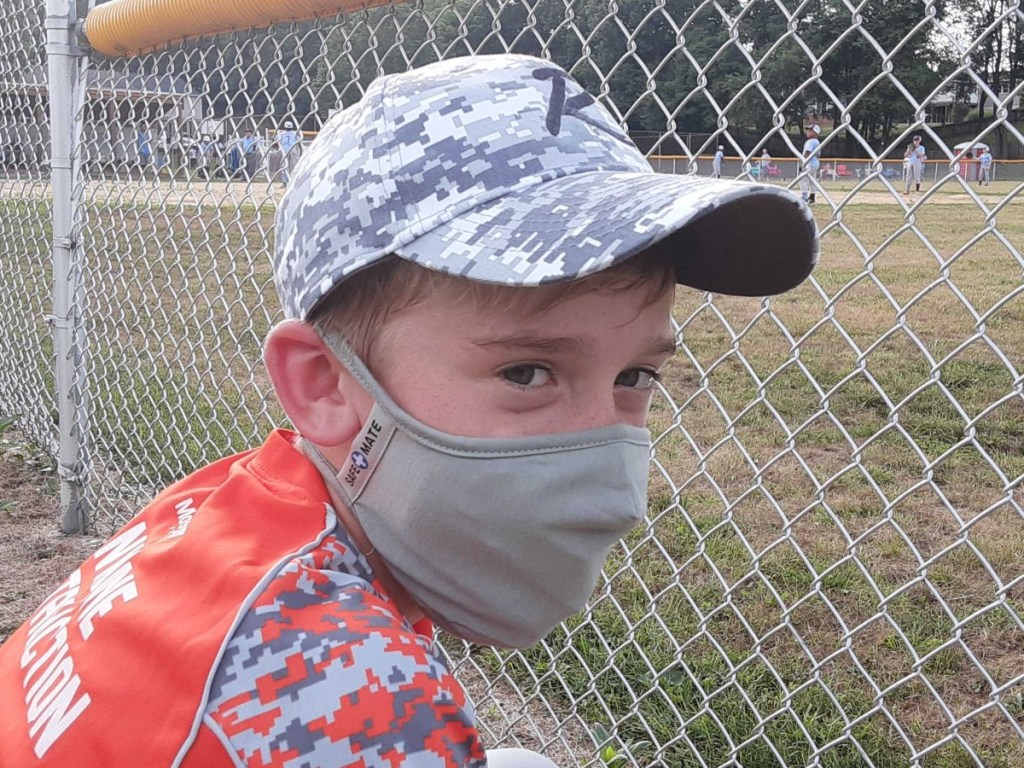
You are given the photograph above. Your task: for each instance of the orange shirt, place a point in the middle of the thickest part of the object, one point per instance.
(231, 622)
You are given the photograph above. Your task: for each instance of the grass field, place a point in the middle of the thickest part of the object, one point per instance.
(832, 571)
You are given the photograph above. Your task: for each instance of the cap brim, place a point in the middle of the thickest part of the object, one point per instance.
(731, 237)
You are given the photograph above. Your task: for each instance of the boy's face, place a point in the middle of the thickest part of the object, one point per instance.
(489, 371)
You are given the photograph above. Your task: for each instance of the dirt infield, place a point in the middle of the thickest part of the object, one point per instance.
(875, 197)
(218, 193)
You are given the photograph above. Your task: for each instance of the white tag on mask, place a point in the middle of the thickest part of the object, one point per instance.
(366, 452)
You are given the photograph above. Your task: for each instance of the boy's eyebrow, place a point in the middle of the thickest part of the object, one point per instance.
(665, 345)
(531, 340)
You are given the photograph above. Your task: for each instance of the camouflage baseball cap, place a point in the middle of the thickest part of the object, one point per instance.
(503, 169)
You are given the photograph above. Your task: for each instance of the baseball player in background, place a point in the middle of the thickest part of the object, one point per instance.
(811, 162)
(985, 168)
(290, 141)
(915, 165)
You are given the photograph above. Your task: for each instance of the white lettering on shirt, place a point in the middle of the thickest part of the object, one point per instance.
(186, 509)
(114, 578)
(51, 703)
(50, 682)
(52, 700)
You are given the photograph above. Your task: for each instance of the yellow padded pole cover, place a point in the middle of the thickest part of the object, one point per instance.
(126, 27)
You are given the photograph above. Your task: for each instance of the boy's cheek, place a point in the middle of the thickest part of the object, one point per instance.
(516, 418)
(635, 407)
(513, 401)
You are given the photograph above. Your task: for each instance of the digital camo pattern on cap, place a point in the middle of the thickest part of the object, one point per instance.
(502, 169)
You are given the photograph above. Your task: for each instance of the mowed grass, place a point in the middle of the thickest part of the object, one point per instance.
(185, 301)
(179, 301)
(831, 570)
(26, 345)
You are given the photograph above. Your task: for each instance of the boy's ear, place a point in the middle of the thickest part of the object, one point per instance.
(323, 400)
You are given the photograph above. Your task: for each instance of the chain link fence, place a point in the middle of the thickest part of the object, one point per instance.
(26, 349)
(830, 570)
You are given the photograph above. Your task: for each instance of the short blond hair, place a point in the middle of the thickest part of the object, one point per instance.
(358, 310)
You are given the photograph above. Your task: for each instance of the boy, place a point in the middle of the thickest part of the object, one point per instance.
(984, 167)
(144, 145)
(716, 163)
(916, 156)
(251, 154)
(908, 162)
(290, 141)
(478, 269)
(811, 163)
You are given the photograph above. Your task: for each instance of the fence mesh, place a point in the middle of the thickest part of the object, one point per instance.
(26, 365)
(830, 570)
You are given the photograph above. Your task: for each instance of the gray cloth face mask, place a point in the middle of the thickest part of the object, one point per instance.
(496, 539)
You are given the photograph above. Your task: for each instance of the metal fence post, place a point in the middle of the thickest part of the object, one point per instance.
(64, 60)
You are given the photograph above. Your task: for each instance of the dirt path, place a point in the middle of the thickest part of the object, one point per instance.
(216, 193)
(35, 557)
(875, 197)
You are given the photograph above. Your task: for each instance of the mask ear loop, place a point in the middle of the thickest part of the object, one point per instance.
(311, 452)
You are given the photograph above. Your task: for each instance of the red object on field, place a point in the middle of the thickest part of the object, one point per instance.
(968, 169)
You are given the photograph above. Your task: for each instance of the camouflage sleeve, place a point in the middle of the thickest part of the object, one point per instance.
(323, 671)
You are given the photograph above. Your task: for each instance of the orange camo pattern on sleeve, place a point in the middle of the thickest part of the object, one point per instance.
(323, 671)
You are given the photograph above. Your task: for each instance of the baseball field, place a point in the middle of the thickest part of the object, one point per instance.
(831, 570)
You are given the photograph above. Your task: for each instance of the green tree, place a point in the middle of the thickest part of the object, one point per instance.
(999, 60)
(854, 72)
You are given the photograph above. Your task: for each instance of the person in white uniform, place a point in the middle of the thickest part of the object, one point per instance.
(984, 168)
(915, 165)
(811, 162)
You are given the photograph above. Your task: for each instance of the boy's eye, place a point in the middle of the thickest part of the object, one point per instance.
(637, 378)
(527, 376)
